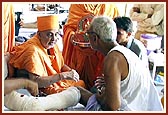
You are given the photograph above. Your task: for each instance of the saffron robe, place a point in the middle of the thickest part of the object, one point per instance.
(8, 27)
(86, 61)
(33, 57)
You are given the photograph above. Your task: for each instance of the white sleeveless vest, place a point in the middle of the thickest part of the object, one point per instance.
(138, 92)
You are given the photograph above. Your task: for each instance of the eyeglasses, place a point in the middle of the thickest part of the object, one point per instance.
(88, 33)
(51, 35)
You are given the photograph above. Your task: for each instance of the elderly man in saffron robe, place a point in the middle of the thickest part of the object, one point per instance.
(41, 60)
(82, 58)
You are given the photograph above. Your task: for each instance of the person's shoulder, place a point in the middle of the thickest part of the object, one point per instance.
(119, 49)
(113, 58)
(30, 45)
(139, 43)
(115, 53)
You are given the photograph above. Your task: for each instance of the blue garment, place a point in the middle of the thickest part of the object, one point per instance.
(92, 104)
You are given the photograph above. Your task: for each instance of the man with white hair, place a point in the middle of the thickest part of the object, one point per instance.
(127, 84)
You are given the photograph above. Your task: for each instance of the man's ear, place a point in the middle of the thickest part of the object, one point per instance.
(94, 38)
(38, 33)
(129, 33)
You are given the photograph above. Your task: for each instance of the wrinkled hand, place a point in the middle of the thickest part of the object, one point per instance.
(71, 75)
(32, 87)
(76, 75)
(136, 9)
(99, 82)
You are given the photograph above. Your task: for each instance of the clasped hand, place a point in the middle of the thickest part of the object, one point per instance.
(100, 84)
(71, 75)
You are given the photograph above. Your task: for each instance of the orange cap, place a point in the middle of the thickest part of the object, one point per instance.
(47, 22)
